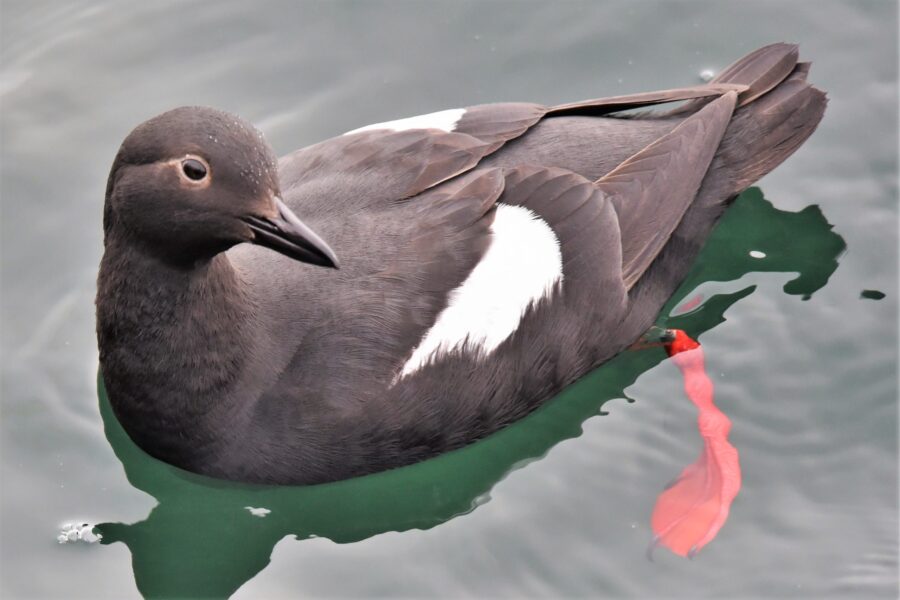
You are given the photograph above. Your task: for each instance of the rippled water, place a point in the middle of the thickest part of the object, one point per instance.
(804, 362)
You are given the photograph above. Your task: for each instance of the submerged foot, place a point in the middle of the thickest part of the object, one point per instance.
(693, 508)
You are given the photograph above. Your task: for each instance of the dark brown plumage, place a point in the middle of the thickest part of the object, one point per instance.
(238, 362)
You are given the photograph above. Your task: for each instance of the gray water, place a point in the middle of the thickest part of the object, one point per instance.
(804, 363)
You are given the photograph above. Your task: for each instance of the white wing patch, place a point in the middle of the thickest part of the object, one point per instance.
(521, 266)
(444, 120)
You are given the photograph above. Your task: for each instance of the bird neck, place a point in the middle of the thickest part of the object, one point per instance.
(173, 346)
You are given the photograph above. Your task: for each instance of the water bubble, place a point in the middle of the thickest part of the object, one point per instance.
(74, 532)
(258, 512)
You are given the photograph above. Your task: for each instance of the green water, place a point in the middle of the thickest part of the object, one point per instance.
(801, 343)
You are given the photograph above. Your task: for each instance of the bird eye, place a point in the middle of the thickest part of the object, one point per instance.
(193, 169)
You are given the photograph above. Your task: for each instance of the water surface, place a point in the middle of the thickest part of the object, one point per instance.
(801, 343)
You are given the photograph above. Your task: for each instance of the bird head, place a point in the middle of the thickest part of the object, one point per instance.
(195, 181)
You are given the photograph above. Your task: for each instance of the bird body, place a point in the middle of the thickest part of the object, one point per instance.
(489, 256)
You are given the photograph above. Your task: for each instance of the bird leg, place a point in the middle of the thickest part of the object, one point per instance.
(654, 337)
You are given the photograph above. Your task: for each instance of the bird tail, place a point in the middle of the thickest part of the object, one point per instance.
(776, 114)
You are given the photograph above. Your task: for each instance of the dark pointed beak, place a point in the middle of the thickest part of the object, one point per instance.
(288, 235)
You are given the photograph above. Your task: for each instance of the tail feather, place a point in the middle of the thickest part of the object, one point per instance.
(779, 112)
(761, 71)
(801, 70)
(764, 133)
(776, 114)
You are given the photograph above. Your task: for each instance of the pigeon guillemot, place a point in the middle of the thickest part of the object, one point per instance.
(489, 256)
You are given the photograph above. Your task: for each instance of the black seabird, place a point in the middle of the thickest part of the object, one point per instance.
(489, 256)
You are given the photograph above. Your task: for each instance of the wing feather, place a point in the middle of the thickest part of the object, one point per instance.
(652, 189)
